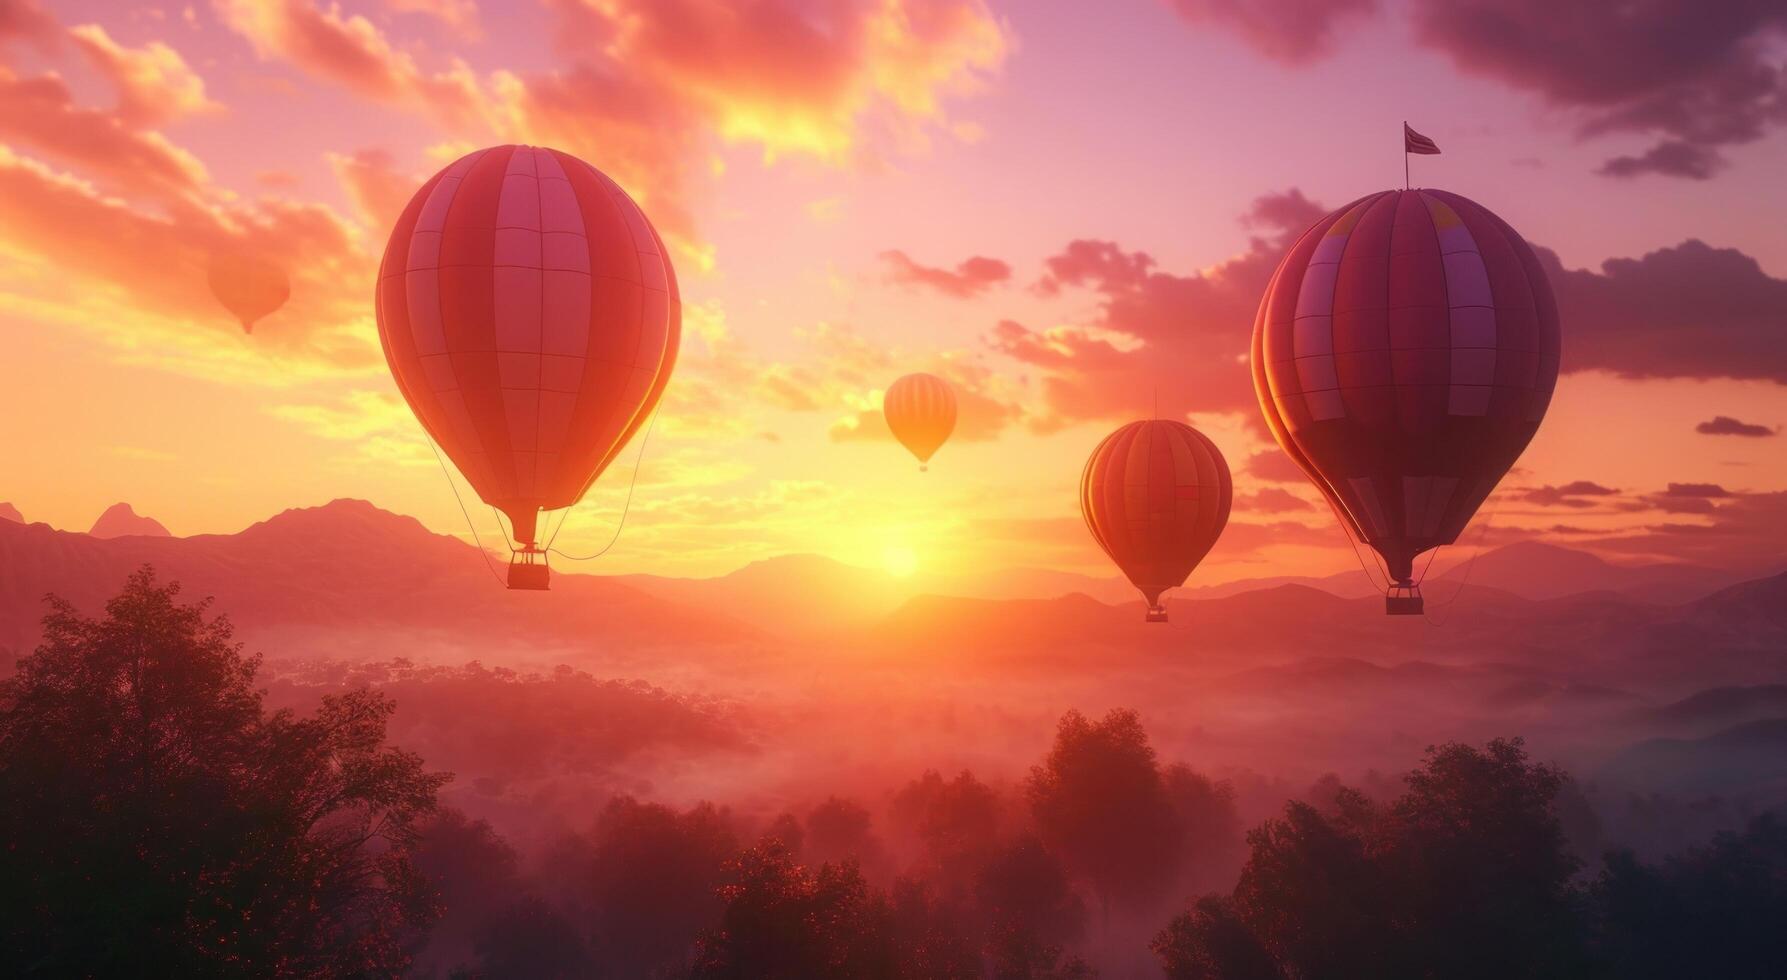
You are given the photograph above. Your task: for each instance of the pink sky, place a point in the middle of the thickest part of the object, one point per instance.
(786, 147)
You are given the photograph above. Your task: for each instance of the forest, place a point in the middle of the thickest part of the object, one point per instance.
(165, 820)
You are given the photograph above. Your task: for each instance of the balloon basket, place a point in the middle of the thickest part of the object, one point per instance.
(528, 571)
(1156, 614)
(1404, 600)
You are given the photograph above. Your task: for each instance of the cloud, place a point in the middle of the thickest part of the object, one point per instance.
(970, 278)
(1569, 495)
(1742, 530)
(1273, 466)
(1697, 76)
(378, 189)
(26, 20)
(41, 112)
(644, 85)
(1271, 500)
(1291, 31)
(1725, 425)
(1180, 338)
(154, 84)
(1705, 491)
(1689, 311)
(461, 16)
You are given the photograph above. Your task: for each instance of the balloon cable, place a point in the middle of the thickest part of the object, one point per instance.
(462, 511)
(1375, 587)
(626, 509)
(1464, 582)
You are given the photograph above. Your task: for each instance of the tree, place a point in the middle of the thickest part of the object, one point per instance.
(532, 939)
(159, 822)
(474, 872)
(1100, 803)
(646, 881)
(1466, 874)
(1713, 911)
(1210, 942)
(838, 830)
(956, 823)
(784, 921)
(1024, 886)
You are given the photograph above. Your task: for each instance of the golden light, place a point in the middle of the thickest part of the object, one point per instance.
(899, 561)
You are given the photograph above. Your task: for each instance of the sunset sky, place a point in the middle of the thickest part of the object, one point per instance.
(1067, 209)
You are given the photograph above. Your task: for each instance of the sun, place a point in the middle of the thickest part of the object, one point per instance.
(899, 561)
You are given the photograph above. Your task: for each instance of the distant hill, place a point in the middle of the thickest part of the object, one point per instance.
(1719, 707)
(1751, 757)
(120, 521)
(10, 513)
(1546, 571)
(312, 571)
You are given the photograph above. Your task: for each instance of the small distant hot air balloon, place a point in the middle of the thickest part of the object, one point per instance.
(1156, 496)
(1404, 355)
(921, 411)
(249, 286)
(530, 315)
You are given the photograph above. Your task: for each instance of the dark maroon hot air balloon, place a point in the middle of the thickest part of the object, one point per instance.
(530, 315)
(1404, 355)
(1156, 495)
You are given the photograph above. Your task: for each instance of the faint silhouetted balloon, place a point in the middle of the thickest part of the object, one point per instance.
(1156, 496)
(530, 316)
(921, 413)
(1404, 355)
(249, 286)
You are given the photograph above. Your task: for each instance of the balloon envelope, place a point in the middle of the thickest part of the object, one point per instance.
(1156, 496)
(248, 286)
(530, 315)
(1404, 355)
(921, 412)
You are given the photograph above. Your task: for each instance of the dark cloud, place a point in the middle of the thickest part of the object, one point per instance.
(1573, 494)
(1698, 490)
(969, 278)
(1696, 75)
(1273, 466)
(1744, 530)
(1725, 425)
(1689, 311)
(1179, 341)
(1271, 500)
(1292, 31)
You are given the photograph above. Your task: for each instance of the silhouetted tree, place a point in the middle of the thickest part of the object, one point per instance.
(1025, 886)
(1209, 826)
(157, 822)
(1713, 911)
(956, 822)
(1466, 874)
(1210, 942)
(785, 921)
(839, 830)
(474, 874)
(532, 939)
(1101, 804)
(646, 880)
(1016, 952)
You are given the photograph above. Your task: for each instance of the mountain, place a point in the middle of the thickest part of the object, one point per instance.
(10, 513)
(119, 521)
(1719, 707)
(1749, 757)
(349, 578)
(1545, 571)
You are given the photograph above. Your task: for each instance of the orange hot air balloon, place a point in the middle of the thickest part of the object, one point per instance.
(249, 286)
(1156, 496)
(530, 315)
(921, 412)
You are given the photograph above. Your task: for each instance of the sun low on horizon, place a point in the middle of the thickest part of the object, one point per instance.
(1066, 226)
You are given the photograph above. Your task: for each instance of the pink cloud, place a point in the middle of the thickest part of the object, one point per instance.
(1292, 31)
(154, 84)
(969, 278)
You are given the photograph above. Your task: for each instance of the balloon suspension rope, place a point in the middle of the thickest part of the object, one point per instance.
(462, 511)
(1375, 587)
(1465, 582)
(632, 484)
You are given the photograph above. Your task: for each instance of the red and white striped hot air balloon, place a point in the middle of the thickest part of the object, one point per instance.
(530, 315)
(921, 412)
(1156, 496)
(1404, 355)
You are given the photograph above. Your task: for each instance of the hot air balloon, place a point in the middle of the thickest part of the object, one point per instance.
(249, 286)
(921, 411)
(530, 316)
(1156, 496)
(1404, 355)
